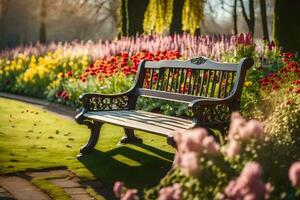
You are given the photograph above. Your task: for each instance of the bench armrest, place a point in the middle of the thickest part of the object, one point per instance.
(207, 111)
(210, 102)
(101, 102)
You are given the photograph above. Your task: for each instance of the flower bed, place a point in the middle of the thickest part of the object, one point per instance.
(60, 72)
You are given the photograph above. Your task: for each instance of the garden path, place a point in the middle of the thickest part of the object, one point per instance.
(19, 186)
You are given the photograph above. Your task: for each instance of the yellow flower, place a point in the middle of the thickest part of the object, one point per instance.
(248, 83)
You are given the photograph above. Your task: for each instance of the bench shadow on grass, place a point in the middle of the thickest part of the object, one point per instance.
(137, 169)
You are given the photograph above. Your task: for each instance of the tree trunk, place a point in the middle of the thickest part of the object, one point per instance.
(252, 16)
(176, 25)
(132, 12)
(263, 12)
(286, 26)
(3, 11)
(234, 15)
(43, 15)
(251, 19)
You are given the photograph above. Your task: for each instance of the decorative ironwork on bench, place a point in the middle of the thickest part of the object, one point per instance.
(199, 60)
(95, 103)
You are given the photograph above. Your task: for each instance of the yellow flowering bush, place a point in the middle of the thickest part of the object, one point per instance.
(41, 71)
(9, 69)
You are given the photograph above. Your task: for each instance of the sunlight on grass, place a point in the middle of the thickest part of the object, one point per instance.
(33, 138)
(126, 160)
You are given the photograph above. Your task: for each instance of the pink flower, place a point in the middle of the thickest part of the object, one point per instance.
(190, 145)
(253, 128)
(236, 122)
(210, 145)
(189, 164)
(248, 185)
(248, 38)
(240, 128)
(170, 193)
(252, 172)
(294, 174)
(190, 140)
(233, 149)
(118, 187)
(241, 38)
(131, 194)
(249, 197)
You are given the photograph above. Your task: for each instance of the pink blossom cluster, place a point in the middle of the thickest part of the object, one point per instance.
(123, 193)
(173, 192)
(244, 39)
(248, 185)
(189, 46)
(190, 145)
(294, 174)
(241, 130)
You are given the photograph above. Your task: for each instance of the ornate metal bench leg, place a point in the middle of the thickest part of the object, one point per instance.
(130, 137)
(170, 141)
(95, 130)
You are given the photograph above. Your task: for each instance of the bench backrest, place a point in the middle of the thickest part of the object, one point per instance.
(185, 81)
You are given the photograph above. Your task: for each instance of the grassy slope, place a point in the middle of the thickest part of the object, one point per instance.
(31, 137)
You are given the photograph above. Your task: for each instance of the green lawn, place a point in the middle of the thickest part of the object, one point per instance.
(33, 138)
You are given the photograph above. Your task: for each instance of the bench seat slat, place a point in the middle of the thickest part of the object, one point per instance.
(141, 120)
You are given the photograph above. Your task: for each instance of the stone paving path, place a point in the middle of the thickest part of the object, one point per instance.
(18, 186)
(21, 189)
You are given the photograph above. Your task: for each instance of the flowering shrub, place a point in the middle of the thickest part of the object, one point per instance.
(250, 165)
(284, 123)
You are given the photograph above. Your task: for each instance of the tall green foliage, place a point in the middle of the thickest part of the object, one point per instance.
(158, 16)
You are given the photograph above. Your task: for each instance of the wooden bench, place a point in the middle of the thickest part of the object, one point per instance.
(211, 89)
